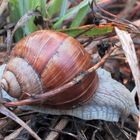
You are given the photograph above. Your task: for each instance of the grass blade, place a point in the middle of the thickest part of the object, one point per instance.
(54, 7)
(63, 8)
(70, 13)
(18, 8)
(80, 16)
(89, 30)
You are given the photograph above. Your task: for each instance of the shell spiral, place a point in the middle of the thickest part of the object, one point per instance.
(45, 60)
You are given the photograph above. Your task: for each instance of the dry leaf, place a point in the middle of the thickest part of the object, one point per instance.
(130, 53)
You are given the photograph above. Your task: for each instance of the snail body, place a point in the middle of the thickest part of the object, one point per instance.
(45, 60)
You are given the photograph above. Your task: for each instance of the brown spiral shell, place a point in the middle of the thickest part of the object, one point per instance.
(45, 60)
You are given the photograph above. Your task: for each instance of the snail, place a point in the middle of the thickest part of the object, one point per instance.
(45, 60)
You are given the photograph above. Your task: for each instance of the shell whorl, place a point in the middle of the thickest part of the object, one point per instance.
(55, 56)
(16, 79)
(10, 84)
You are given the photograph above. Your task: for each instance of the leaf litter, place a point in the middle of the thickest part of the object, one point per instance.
(49, 125)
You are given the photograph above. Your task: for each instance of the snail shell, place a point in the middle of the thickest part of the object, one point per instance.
(45, 60)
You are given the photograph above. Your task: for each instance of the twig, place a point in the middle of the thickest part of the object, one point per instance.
(109, 131)
(24, 19)
(22, 22)
(116, 19)
(3, 123)
(3, 6)
(8, 42)
(134, 11)
(11, 115)
(65, 133)
(13, 135)
(102, 61)
(127, 129)
(61, 125)
(94, 134)
(21, 115)
(3, 47)
(128, 8)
